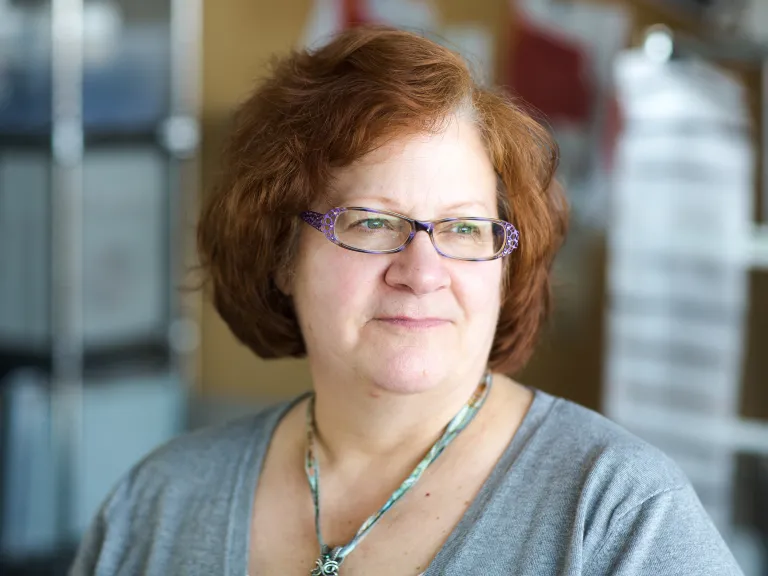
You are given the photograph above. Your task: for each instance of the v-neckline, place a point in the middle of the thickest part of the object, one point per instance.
(237, 549)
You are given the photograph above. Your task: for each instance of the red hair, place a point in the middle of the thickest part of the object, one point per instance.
(325, 109)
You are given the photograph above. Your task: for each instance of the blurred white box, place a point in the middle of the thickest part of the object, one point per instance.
(715, 289)
(124, 418)
(24, 248)
(125, 246)
(667, 330)
(643, 380)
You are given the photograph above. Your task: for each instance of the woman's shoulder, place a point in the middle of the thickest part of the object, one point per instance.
(199, 458)
(610, 499)
(159, 503)
(598, 455)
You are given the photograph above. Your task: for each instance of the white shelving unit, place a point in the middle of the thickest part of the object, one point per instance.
(682, 244)
(100, 162)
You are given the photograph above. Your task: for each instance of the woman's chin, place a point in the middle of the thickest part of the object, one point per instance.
(410, 374)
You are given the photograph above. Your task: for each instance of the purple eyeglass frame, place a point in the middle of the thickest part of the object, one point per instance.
(326, 224)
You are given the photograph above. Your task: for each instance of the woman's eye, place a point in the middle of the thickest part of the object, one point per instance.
(464, 229)
(371, 224)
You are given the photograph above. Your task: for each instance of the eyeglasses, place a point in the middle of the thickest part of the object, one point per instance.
(380, 232)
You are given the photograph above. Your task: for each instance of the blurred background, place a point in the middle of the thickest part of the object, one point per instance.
(112, 115)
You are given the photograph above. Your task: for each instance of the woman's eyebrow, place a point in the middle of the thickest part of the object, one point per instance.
(396, 207)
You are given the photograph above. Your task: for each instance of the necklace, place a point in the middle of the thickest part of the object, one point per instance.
(330, 559)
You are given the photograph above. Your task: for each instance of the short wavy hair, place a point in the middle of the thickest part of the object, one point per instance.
(321, 110)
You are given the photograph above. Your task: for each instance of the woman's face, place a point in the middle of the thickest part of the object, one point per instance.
(410, 320)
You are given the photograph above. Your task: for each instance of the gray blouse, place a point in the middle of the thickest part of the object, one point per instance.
(573, 494)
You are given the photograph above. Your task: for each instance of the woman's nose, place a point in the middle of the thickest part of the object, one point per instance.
(418, 268)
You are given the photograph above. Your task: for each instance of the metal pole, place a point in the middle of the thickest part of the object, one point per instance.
(67, 253)
(186, 34)
(764, 138)
(181, 136)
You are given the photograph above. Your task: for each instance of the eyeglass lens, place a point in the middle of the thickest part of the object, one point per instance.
(376, 232)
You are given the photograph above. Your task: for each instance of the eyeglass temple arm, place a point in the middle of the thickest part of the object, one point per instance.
(314, 219)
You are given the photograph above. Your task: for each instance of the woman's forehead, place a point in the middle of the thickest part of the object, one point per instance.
(446, 171)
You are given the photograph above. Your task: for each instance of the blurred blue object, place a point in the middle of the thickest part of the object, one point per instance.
(124, 417)
(125, 91)
(28, 526)
(25, 104)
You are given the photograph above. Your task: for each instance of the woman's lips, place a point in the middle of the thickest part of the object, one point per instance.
(410, 323)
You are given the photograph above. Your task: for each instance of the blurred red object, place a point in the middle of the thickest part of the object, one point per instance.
(354, 13)
(550, 72)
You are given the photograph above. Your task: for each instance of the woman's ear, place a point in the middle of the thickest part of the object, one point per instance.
(284, 280)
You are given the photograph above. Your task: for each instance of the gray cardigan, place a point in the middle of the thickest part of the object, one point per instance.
(573, 494)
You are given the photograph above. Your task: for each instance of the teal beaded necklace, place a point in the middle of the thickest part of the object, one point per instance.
(330, 559)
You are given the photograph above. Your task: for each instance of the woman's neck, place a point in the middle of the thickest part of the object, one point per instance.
(359, 423)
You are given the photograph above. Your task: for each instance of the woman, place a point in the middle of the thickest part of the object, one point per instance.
(395, 222)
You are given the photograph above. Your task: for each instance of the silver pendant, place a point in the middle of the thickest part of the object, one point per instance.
(327, 565)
